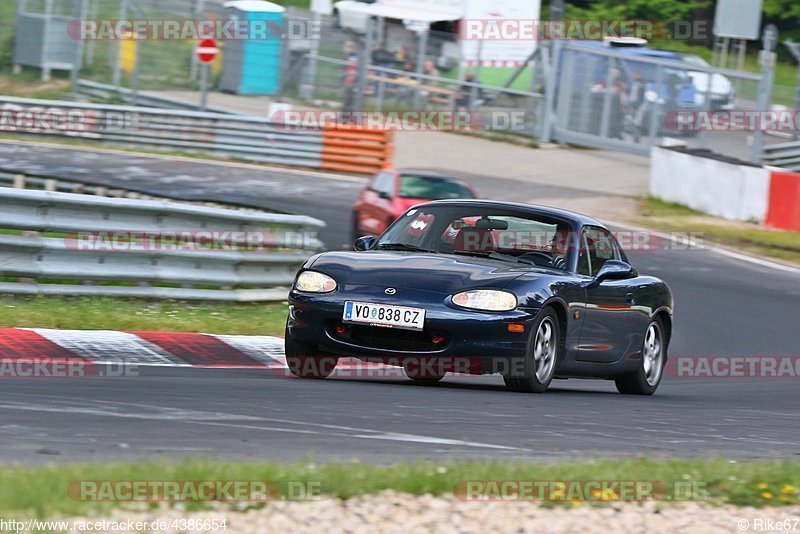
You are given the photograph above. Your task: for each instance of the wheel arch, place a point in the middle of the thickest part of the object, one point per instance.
(560, 307)
(666, 320)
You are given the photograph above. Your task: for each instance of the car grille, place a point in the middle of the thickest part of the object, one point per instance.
(393, 338)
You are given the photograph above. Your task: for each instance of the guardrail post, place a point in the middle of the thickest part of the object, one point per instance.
(767, 60)
(19, 181)
(794, 48)
(551, 73)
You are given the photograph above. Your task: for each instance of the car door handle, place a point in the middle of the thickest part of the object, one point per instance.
(630, 299)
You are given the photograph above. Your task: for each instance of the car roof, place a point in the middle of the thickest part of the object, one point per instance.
(576, 220)
(423, 173)
(630, 50)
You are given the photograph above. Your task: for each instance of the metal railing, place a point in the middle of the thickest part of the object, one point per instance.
(241, 137)
(107, 92)
(607, 97)
(785, 155)
(72, 244)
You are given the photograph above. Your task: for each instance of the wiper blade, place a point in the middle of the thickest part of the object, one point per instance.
(494, 256)
(509, 257)
(477, 253)
(403, 247)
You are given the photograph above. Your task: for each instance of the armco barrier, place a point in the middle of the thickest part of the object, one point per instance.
(103, 91)
(342, 148)
(784, 155)
(204, 253)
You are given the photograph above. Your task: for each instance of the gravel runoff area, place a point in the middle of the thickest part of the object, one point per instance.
(391, 512)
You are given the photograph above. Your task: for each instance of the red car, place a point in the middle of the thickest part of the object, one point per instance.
(393, 191)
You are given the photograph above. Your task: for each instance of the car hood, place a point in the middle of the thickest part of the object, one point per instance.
(440, 273)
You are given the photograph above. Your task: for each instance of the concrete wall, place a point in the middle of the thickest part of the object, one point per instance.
(727, 190)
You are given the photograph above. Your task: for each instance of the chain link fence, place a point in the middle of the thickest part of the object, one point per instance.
(630, 99)
(578, 92)
(398, 71)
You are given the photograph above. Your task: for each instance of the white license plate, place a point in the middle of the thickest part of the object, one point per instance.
(384, 315)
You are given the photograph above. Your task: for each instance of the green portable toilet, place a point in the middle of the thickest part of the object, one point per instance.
(252, 66)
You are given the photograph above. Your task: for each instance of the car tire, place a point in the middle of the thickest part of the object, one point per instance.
(647, 377)
(305, 361)
(539, 367)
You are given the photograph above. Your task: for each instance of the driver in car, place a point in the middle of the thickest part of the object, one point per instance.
(559, 248)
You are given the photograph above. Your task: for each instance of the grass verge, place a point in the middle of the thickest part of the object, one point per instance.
(670, 217)
(42, 491)
(103, 313)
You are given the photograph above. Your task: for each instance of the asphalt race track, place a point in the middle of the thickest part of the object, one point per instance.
(724, 307)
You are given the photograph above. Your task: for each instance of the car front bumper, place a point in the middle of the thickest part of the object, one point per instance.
(472, 341)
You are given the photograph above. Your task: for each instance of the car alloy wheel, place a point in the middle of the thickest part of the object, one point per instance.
(534, 373)
(544, 349)
(645, 380)
(653, 355)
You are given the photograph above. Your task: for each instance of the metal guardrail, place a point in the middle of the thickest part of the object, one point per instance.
(345, 148)
(158, 248)
(785, 155)
(104, 91)
(46, 182)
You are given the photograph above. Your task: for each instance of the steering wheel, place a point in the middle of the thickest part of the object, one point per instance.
(539, 258)
(546, 260)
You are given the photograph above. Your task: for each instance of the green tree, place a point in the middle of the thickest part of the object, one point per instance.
(640, 9)
(783, 10)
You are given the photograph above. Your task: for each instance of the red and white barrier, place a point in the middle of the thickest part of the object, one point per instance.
(48, 352)
(733, 191)
(784, 200)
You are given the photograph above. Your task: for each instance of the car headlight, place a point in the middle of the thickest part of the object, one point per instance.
(486, 299)
(314, 282)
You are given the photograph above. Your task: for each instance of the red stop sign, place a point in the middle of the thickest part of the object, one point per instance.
(207, 50)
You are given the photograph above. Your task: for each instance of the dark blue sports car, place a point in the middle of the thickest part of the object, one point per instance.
(481, 287)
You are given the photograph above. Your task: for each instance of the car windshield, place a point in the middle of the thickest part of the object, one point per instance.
(432, 188)
(694, 60)
(649, 71)
(504, 235)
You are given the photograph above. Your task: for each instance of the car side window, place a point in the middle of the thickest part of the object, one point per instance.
(384, 183)
(600, 247)
(584, 267)
(620, 252)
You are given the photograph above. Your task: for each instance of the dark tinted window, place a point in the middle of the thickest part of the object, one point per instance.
(384, 183)
(583, 258)
(432, 188)
(600, 247)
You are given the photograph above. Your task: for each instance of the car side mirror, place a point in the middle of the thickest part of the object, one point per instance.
(365, 242)
(614, 270)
